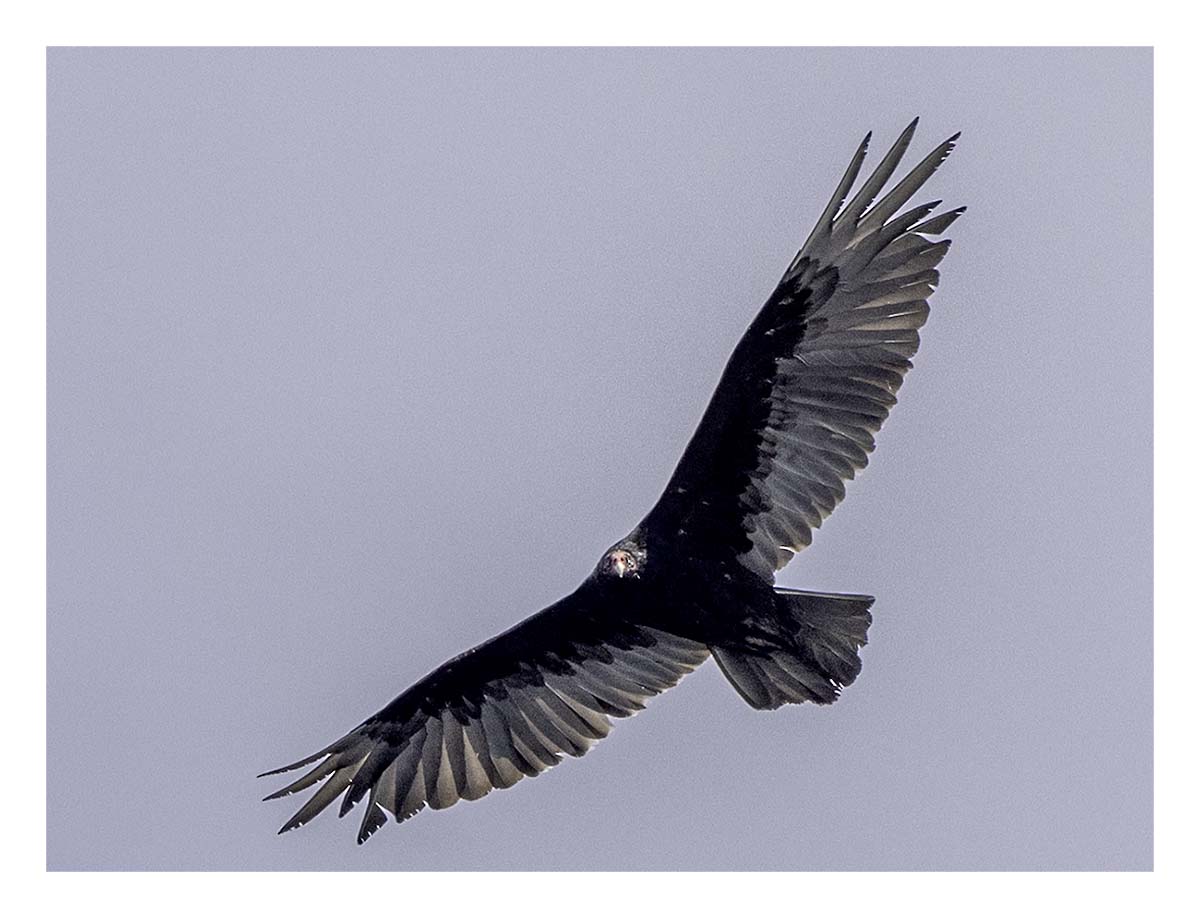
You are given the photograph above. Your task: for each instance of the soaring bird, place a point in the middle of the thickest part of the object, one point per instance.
(793, 417)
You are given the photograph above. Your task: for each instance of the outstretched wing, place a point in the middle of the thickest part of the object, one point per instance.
(509, 709)
(809, 384)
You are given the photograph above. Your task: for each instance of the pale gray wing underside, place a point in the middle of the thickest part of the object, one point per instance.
(831, 396)
(522, 726)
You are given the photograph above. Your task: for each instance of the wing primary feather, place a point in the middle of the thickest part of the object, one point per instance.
(853, 211)
(384, 792)
(413, 800)
(897, 227)
(939, 224)
(381, 802)
(906, 187)
(373, 818)
(307, 760)
(332, 749)
(408, 780)
(824, 224)
(365, 776)
(324, 769)
(869, 246)
(322, 798)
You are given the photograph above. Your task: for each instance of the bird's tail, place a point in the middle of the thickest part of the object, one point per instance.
(813, 655)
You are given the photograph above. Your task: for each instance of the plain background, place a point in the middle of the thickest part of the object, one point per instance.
(357, 357)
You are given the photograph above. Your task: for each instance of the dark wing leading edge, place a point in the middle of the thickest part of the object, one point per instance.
(811, 381)
(506, 710)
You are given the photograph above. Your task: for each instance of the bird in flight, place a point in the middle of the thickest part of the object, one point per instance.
(793, 417)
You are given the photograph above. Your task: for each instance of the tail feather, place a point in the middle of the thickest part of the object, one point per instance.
(814, 657)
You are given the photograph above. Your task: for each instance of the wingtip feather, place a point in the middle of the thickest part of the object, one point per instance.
(853, 212)
(373, 820)
(300, 763)
(285, 769)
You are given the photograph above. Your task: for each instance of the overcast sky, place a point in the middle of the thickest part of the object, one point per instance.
(358, 357)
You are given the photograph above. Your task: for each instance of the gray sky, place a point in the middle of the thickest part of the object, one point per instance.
(357, 357)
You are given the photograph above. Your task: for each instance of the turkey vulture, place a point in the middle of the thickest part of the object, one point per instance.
(793, 417)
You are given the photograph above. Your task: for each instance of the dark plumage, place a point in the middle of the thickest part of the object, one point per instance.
(793, 417)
